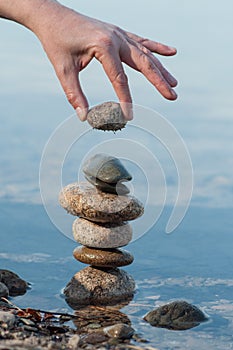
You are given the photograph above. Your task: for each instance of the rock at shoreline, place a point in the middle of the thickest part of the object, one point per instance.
(84, 200)
(99, 286)
(4, 291)
(14, 283)
(103, 258)
(95, 235)
(106, 116)
(178, 315)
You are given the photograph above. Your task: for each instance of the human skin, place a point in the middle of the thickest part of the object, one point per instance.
(71, 40)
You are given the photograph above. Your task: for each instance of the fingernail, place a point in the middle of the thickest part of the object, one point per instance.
(174, 94)
(81, 113)
(127, 109)
(172, 48)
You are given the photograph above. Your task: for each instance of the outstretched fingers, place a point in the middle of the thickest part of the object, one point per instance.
(141, 59)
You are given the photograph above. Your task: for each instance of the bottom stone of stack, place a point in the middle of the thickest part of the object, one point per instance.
(99, 286)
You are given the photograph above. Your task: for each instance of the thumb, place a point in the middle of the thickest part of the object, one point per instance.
(70, 83)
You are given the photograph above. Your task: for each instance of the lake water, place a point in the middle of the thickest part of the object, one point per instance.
(195, 261)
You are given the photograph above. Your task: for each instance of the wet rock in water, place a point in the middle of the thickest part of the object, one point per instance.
(106, 235)
(106, 116)
(104, 258)
(4, 291)
(86, 201)
(178, 315)
(14, 283)
(7, 318)
(106, 173)
(119, 331)
(96, 286)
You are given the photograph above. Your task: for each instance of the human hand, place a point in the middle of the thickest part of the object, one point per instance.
(72, 40)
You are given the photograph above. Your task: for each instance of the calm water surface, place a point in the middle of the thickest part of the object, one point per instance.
(194, 262)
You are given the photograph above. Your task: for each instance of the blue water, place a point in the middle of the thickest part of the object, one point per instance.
(195, 261)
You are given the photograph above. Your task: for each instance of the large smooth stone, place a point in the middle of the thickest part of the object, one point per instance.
(86, 201)
(106, 116)
(178, 315)
(94, 235)
(103, 257)
(99, 286)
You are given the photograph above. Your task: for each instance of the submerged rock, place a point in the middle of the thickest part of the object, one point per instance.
(103, 257)
(99, 286)
(106, 173)
(94, 317)
(14, 283)
(106, 116)
(107, 235)
(86, 201)
(178, 315)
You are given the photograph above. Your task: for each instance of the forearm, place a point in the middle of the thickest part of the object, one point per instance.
(26, 12)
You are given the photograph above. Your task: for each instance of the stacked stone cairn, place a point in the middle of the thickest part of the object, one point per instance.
(104, 207)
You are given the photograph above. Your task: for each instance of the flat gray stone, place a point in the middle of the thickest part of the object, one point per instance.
(106, 116)
(95, 235)
(84, 200)
(99, 286)
(103, 257)
(106, 168)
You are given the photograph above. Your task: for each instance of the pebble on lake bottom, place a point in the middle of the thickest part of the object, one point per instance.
(101, 257)
(96, 286)
(106, 116)
(84, 200)
(178, 315)
(95, 235)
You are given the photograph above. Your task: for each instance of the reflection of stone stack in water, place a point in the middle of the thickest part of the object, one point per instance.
(101, 228)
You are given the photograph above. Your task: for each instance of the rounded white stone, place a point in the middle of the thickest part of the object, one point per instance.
(95, 235)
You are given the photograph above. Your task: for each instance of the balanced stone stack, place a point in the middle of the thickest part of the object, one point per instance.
(104, 207)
